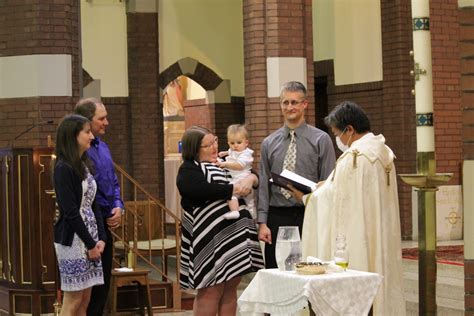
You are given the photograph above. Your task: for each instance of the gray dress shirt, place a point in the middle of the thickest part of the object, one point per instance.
(315, 159)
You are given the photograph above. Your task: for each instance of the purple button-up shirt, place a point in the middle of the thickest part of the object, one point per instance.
(108, 189)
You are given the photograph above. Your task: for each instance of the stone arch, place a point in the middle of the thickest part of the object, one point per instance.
(218, 109)
(193, 69)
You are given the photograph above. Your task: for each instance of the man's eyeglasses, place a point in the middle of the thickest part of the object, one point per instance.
(211, 144)
(292, 102)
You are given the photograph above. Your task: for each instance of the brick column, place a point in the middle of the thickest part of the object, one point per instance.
(446, 63)
(146, 111)
(39, 67)
(276, 33)
(398, 105)
(466, 20)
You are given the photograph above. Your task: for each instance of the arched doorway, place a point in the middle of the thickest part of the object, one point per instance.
(193, 94)
(215, 108)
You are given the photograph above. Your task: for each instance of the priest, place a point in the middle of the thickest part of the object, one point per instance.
(359, 201)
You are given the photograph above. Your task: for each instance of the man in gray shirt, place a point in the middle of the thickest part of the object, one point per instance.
(314, 160)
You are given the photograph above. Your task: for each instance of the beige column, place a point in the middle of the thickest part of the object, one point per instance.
(466, 19)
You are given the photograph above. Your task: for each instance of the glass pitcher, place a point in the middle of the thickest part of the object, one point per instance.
(288, 248)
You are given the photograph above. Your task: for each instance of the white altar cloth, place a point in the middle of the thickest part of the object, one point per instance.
(284, 293)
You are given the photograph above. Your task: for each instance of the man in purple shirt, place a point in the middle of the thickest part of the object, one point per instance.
(108, 192)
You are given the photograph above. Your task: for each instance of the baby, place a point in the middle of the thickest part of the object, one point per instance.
(239, 162)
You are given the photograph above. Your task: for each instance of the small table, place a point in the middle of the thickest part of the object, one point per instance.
(138, 276)
(285, 292)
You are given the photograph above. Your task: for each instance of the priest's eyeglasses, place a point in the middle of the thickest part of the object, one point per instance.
(211, 144)
(341, 133)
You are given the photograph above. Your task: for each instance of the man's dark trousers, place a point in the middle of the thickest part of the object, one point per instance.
(100, 292)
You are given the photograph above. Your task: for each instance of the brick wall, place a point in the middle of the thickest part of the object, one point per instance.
(45, 28)
(118, 135)
(227, 114)
(466, 20)
(147, 144)
(398, 104)
(199, 112)
(367, 95)
(19, 114)
(215, 117)
(445, 36)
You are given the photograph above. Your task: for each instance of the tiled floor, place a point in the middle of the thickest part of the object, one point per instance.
(449, 286)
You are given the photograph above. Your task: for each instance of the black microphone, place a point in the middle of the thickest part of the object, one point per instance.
(29, 129)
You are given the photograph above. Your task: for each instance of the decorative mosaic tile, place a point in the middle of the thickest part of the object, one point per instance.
(424, 119)
(421, 24)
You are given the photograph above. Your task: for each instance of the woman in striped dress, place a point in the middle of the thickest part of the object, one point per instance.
(215, 252)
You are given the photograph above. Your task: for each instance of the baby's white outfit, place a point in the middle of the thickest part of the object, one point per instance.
(245, 159)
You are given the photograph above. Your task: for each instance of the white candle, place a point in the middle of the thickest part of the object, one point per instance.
(424, 87)
(425, 139)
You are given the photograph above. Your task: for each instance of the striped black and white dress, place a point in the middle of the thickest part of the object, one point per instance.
(213, 249)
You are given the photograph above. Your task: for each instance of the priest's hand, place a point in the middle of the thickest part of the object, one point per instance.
(297, 195)
(264, 233)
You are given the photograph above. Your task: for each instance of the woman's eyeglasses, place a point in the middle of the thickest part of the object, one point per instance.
(211, 144)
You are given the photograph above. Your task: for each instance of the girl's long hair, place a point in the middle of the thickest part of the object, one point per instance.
(67, 148)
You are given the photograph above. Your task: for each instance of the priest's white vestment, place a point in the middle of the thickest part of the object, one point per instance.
(360, 200)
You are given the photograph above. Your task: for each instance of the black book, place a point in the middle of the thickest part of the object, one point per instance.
(287, 177)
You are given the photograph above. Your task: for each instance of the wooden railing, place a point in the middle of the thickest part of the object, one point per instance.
(149, 231)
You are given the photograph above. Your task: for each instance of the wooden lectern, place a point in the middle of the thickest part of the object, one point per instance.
(27, 210)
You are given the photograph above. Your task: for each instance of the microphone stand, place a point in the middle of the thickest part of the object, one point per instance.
(10, 143)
